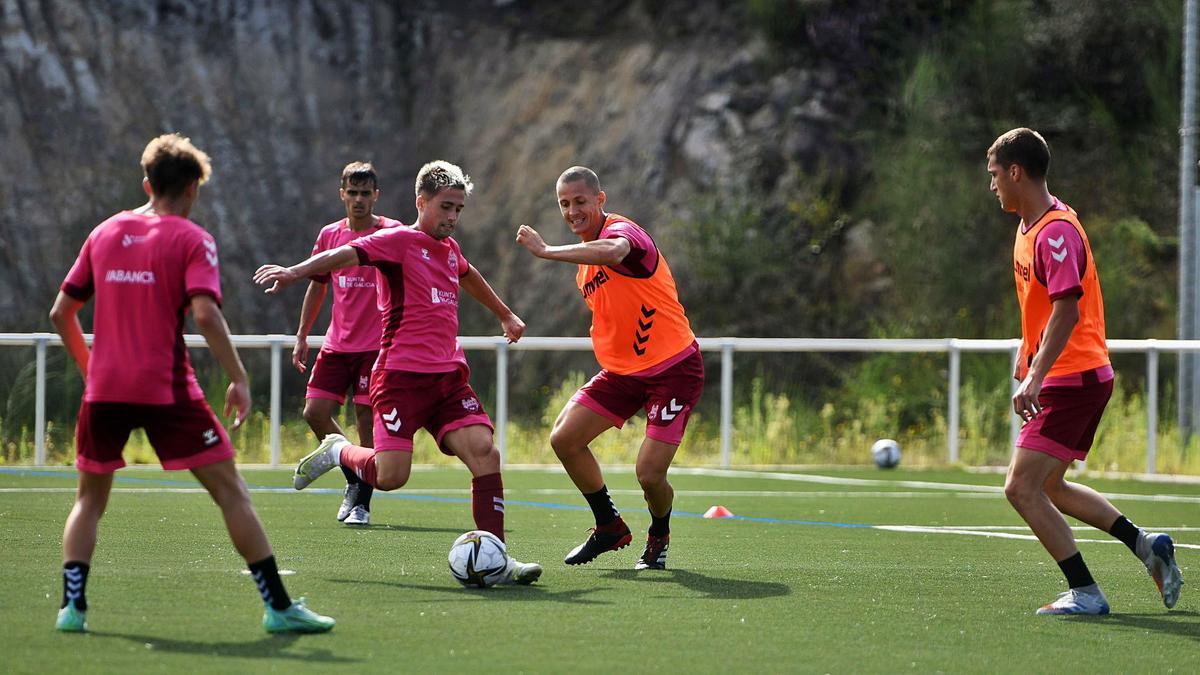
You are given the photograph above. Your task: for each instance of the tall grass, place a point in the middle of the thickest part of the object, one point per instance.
(769, 428)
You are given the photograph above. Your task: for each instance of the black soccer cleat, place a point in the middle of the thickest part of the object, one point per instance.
(655, 555)
(610, 537)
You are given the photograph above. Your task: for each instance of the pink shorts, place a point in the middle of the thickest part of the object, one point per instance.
(335, 372)
(667, 397)
(1066, 426)
(184, 435)
(404, 401)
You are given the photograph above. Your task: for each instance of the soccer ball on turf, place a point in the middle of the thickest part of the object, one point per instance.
(478, 559)
(886, 453)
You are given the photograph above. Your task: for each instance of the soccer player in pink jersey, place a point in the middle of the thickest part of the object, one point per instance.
(137, 374)
(421, 376)
(352, 340)
(1066, 379)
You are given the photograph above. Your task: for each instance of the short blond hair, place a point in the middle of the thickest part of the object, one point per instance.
(439, 175)
(171, 163)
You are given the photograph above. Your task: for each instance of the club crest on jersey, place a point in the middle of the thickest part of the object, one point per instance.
(211, 438)
(425, 253)
(364, 382)
(453, 262)
(470, 404)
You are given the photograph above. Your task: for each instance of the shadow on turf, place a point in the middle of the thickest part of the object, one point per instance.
(711, 587)
(270, 647)
(514, 593)
(1180, 623)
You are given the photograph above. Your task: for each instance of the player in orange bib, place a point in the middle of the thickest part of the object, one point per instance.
(648, 355)
(1066, 378)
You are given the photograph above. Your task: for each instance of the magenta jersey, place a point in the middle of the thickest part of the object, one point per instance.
(355, 325)
(642, 259)
(1059, 257)
(143, 271)
(418, 296)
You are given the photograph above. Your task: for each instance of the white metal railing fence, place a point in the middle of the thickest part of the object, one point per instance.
(954, 347)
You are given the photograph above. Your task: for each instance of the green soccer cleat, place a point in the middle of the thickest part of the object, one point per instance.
(296, 619)
(71, 620)
(317, 462)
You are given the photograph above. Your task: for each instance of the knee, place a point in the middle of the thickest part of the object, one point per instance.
(231, 495)
(388, 481)
(312, 416)
(1018, 492)
(562, 442)
(650, 477)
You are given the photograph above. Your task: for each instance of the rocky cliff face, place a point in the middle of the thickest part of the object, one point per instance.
(667, 101)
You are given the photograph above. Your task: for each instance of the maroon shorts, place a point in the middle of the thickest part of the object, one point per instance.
(1067, 423)
(404, 401)
(184, 435)
(667, 397)
(335, 372)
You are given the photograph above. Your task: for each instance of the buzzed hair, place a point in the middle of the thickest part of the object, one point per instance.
(580, 173)
(359, 172)
(439, 175)
(171, 163)
(1025, 147)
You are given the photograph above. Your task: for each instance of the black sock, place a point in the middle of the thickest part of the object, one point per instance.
(602, 506)
(1126, 531)
(351, 477)
(266, 576)
(660, 527)
(75, 575)
(1076, 571)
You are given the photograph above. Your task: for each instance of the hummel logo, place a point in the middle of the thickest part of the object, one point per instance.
(1060, 256)
(388, 417)
(1056, 243)
(212, 258)
(670, 410)
(425, 253)
(211, 438)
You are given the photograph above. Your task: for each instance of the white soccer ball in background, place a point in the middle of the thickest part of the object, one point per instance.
(478, 559)
(886, 453)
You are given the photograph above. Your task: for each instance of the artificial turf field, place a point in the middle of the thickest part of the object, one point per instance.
(802, 580)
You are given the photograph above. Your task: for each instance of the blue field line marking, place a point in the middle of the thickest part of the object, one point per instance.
(434, 498)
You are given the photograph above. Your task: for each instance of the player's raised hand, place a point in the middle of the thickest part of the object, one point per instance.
(300, 354)
(530, 239)
(514, 328)
(274, 277)
(237, 397)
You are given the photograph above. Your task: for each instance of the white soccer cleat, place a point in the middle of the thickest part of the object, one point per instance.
(358, 515)
(1078, 601)
(1157, 552)
(521, 573)
(319, 461)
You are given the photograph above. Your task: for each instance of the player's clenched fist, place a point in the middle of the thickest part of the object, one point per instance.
(530, 239)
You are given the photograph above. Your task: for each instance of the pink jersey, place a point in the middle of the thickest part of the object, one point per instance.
(418, 295)
(355, 325)
(143, 271)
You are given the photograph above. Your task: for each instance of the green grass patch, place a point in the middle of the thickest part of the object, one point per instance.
(791, 593)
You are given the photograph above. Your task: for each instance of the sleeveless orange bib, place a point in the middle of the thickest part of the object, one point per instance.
(1086, 348)
(636, 323)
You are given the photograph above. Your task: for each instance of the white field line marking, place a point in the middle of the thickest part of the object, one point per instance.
(998, 535)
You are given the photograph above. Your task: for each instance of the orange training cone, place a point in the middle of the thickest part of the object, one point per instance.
(718, 511)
